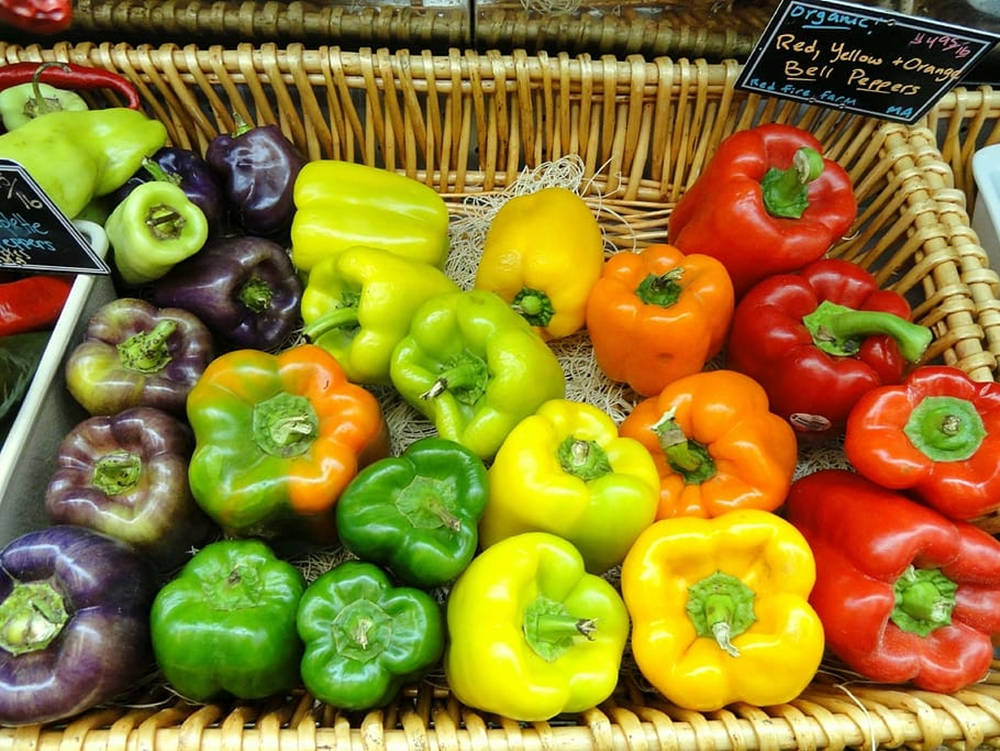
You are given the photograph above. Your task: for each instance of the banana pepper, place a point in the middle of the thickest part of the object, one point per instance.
(340, 204)
(543, 254)
(720, 609)
(278, 438)
(475, 368)
(532, 634)
(358, 305)
(566, 471)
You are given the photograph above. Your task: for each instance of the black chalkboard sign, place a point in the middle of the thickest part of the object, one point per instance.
(860, 59)
(34, 234)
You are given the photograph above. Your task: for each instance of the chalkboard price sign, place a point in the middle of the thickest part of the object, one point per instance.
(860, 59)
(34, 234)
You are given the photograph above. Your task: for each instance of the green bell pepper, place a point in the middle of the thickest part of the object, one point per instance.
(75, 156)
(227, 623)
(475, 368)
(22, 103)
(416, 514)
(154, 228)
(358, 305)
(364, 639)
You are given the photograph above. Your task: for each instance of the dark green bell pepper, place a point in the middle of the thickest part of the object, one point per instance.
(227, 623)
(416, 514)
(364, 639)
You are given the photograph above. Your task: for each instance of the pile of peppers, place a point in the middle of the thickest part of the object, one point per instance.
(273, 310)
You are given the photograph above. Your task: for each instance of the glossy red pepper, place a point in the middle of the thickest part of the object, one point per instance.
(817, 340)
(37, 16)
(904, 594)
(937, 435)
(33, 302)
(66, 75)
(767, 203)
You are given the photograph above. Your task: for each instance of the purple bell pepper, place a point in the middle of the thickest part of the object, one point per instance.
(245, 289)
(134, 354)
(257, 167)
(74, 623)
(126, 476)
(186, 169)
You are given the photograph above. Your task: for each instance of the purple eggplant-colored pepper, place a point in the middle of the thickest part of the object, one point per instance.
(187, 169)
(126, 475)
(74, 623)
(134, 354)
(245, 289)
(257, 167)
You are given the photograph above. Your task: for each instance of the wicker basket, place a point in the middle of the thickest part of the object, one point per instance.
(466, 123)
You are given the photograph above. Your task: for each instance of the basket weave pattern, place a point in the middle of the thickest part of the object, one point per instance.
(464, 123)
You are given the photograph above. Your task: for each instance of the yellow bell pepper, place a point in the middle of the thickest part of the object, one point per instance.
(720, 609)
(543, 255)
(341, 204)
(566, 471)
(531, 633)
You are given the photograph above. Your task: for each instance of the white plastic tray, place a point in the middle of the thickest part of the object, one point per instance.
(986, 214)
(48, 412)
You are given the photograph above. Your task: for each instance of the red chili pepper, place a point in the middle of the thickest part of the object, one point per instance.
(766, 203)
(904, 594)
(38, 16)
(937, 434)
(32, 303)
(817, 340)
(69, 76)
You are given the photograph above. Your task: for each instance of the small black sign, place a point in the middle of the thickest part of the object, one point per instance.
(35, 234)
(860, 59)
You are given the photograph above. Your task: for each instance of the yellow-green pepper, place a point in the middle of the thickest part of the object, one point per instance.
(341, 204)
(358, 305)
(565, 470)
(531, 633)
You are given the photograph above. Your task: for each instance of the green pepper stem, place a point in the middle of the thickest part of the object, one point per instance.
(31, 616)
(39, 104)
(661, 289)
(158, 173)
(466, 376)
(255, 294)
(165, 222)
(945, 428)
(117, 472)
(242, 126)
(689, 458)
(786, 192)
(534, 305)
(925, 599)
(838, 330)
(720, 607)
(284, 425)
(550, 630)
(147, 352)
(338, 318)
(582, 458)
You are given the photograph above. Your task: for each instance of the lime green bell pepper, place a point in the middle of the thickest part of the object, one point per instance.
(342, 204)
(77, 155)
(565, 470)
(531, 633)
(475, 368)
(358, 304)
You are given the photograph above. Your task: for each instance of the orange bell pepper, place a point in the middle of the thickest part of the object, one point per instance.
(716, 445)
(658, 315)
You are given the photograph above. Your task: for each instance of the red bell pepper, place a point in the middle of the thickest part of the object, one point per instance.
(904, 594)
(37, 16)
(817, 340)
(33, 302)
(937, 435)
(767, 203)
